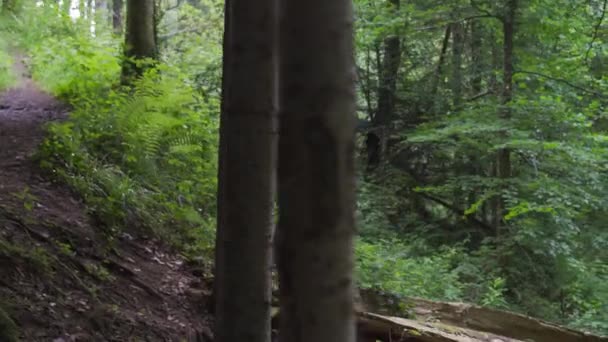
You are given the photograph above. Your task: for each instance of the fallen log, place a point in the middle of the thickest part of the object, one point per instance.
(389, 318)
(373, 327)
(499, 322)
(504, 325)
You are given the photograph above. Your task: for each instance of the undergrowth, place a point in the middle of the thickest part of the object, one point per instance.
(142, 157)
(7, 77)
(511, 277)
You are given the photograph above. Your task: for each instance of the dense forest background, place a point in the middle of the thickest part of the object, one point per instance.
(482, 146)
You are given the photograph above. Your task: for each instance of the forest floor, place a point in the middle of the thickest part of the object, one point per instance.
(60, 278)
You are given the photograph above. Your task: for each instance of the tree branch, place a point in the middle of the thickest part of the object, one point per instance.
(176, 6)
(461, 20)
(456, 210)
(168, 36)
(561, 80)
(478, 16)
(596, 30)
(478, 8)
(447, 205)
(478, 96)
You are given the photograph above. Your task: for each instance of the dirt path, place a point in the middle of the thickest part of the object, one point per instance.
(59, 281)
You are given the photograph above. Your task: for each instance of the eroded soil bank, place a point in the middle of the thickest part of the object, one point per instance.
(60, 281)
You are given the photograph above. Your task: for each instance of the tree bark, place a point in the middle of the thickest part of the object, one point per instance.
(140, 38)
(503, 158)
(117, 21)
(316, 171)
(376, 144)
(477, 65)
(476, 70)
(457, 51)
(439, 71)
(110, 13)
(248, 164)
(221, 173)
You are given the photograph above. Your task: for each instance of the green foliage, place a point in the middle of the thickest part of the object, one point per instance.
(6, 74)
(439, 189)
(494, 297)
(7, 77)
(74, 67)
(36, 258)
(142, 157)
(388, 266)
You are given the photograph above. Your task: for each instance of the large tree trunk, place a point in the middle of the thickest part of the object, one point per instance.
(140, 42)
(221, 174)
(248, 176)
(376, 140)
(503, 158)
(316, 172)
(117, 21)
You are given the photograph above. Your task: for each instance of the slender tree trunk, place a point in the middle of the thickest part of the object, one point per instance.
(89, 10)
(102, 16)
(117, 20)
(82, 11)
(437, 76)
(367, 84)
(316, 171)
(110, 13)
(248, 165)
(476, 70)
(497, 62)
(503, 158)
(140, 41)
(457, 51)
(456, 85)
(376, 145)
(477, 65)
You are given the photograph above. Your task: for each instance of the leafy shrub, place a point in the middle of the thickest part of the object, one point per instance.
(388, 266)
(75, 68)
(6, 67)
(142, 157)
